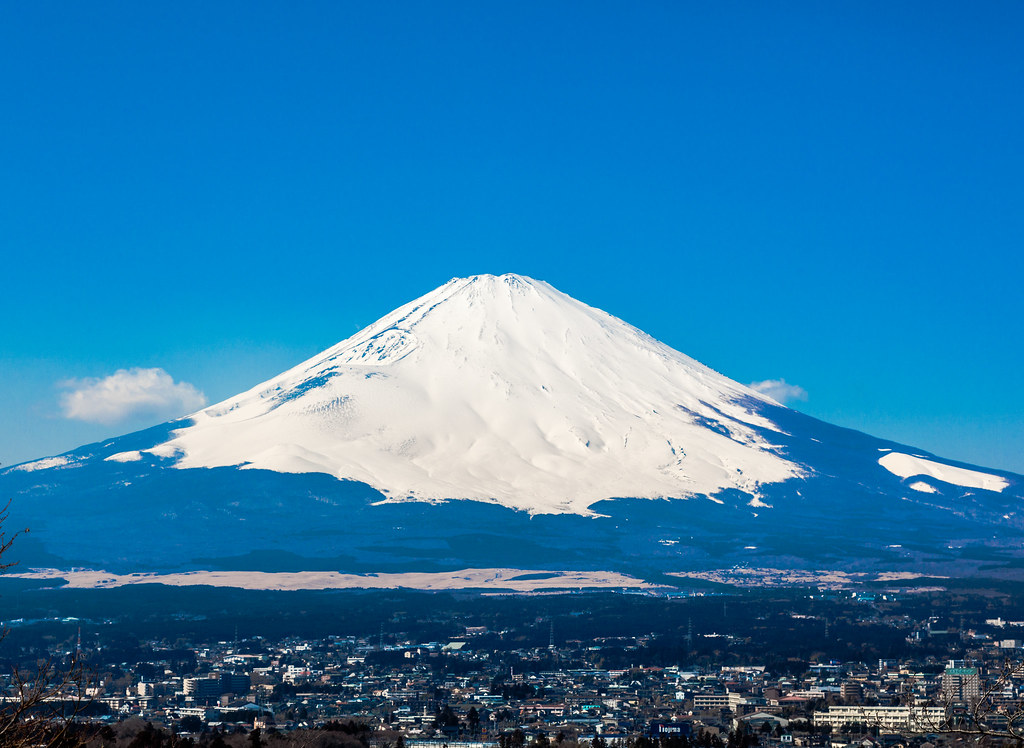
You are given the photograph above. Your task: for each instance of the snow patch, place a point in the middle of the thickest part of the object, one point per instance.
(511, 580)
(133, 456)
(920, 485)
(906, 466)
(167, 451)
(44, 464)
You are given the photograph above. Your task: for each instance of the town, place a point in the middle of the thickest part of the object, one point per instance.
(495, 679)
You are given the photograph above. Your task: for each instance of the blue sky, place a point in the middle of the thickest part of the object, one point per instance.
(829, 193)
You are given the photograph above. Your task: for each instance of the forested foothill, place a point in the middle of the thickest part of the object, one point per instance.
(720, 626)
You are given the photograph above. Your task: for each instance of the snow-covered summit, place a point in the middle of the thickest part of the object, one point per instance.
(506, 391)
(500, 389)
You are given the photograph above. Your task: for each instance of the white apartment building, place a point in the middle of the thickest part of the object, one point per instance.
(884, 717)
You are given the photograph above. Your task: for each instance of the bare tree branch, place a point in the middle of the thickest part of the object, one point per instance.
(39, 708)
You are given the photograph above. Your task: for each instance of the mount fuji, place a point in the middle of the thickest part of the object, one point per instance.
(498, 421)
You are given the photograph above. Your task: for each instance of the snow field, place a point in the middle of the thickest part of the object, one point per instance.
(499, 389)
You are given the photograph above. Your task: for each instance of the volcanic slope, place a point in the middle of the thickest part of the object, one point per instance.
(497, 421)
(498, 389)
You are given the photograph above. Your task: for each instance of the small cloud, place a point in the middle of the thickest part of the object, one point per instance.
(129, 393)
(780, 390)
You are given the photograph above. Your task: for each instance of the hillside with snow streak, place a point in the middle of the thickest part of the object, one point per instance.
(498, 389)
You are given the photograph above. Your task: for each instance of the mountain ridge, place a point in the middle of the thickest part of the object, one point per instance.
(441, 436)
(550, 394)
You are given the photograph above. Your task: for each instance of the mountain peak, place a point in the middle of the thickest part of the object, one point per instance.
(498, 389)
(507, 286)
(486, 284)
(506, 392)
(512, 280)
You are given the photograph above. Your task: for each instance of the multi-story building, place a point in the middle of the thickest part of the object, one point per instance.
(885, 717)
(237, 683)
(202, 688)
(961, 684)
(710, 701)
(851, 690)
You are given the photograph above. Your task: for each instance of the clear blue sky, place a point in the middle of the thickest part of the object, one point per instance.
(830, 193)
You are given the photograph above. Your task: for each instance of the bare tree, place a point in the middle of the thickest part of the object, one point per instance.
(983, 717)
(5, 541)
(39, 707)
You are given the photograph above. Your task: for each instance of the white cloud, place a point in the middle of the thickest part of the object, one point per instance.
(129, 393)
(780, 390)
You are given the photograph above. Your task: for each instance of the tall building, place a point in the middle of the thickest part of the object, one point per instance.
(202, 689)
(236, 683)
(851, 690)
(960, 684)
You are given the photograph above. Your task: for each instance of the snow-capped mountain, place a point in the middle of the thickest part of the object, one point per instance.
(498, 389)
(492, 420)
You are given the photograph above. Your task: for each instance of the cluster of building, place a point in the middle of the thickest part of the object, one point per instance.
(455, 691)
(480, 686)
